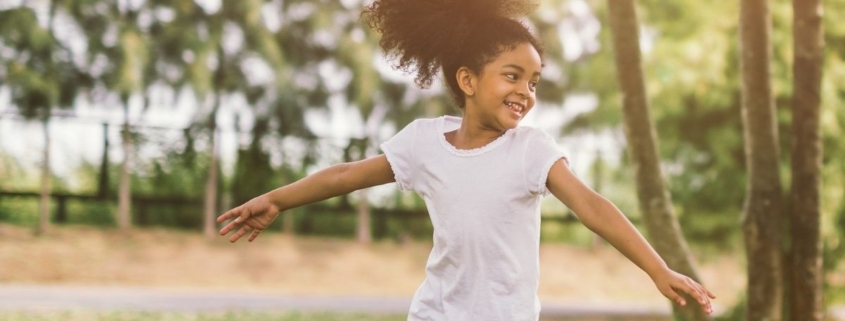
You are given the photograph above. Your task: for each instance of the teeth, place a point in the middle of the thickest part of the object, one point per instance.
(514, 107)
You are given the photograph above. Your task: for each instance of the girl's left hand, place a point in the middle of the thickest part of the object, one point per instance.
(672, 283)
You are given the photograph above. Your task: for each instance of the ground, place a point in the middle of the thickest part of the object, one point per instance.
(160, 258)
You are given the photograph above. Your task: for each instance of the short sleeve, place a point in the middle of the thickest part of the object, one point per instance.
(399, 151)
(541, 153)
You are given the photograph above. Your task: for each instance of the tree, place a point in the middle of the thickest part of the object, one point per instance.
(654, 199)
(115, 36)
(350, 52)
(127, 79)
(217, 70)
(806, 279)
(191, 55)
(42, 76)
(358, 56)
(762, 221)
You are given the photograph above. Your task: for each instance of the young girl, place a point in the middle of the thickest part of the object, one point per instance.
(482, 176)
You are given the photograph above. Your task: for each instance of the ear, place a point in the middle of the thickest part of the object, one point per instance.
(467, 80)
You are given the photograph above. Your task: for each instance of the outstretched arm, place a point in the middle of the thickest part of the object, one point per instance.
(602, 217)
(256, 214)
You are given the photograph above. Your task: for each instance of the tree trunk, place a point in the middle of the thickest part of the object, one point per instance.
(762, 215)
(374, 118)
(364, 234)
(103, 180)
(210, 210)
(363, 231)
(364, 216)
(211, 187)
(806, 272)
(655, 202)
(288, 219)
(46, 184)
(598, 176)
(124, 217)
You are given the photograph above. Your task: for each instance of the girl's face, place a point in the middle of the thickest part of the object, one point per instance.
(504, 92)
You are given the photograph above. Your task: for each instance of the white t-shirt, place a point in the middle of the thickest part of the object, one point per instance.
(484, 205)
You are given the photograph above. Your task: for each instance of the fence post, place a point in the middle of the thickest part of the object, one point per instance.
(61, 210)
(103, 182)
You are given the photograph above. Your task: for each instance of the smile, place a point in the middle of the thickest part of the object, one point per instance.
(515, 107)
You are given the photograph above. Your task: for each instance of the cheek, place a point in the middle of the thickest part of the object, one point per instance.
(531, 103)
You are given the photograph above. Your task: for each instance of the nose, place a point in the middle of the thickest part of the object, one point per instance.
(524, 91)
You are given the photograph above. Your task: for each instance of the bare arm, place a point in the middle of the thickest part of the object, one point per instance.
(333, 181)
(602, 217)
(340, 179)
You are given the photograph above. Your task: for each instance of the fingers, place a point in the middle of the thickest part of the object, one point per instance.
(229, 214)
(710, 294)
(233, 225)
(698, 293)
(223, 217)
(675, 297)
(240, 215)
(254, 234)
(234, 238)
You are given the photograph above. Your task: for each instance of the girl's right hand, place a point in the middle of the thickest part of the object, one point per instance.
(255, 215)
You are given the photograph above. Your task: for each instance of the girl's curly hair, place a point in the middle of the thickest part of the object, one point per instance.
(428, 35)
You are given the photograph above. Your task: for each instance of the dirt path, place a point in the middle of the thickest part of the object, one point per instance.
(75, 267)
(275, 265)
(40, 298)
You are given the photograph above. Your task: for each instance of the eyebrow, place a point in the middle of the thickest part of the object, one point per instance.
(518, 67)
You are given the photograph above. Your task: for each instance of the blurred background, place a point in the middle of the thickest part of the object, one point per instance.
(126, 126)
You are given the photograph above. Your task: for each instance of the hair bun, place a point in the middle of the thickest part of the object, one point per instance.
(422, 35)
(512, 9)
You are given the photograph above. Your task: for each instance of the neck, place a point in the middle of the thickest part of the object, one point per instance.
(473, 133)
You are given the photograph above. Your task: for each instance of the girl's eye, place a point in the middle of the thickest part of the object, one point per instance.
(511, 76)
(533, 84)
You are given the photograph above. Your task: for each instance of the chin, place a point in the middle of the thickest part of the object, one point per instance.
(510, 123)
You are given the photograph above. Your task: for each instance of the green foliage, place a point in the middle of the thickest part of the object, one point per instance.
(254, 175)
(35, 66)
(569, 233)
(320, 221)
(19, 211)
(14, 174)
(690, 61)
(99, 214)
(23, 210)
(833, 127)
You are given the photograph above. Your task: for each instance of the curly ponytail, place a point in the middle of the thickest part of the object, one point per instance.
(429, 35)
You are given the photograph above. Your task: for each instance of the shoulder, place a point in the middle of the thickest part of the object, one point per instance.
(531, 133)
(431, 125)
(414, 130)
(425, 123)
(535, 140)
